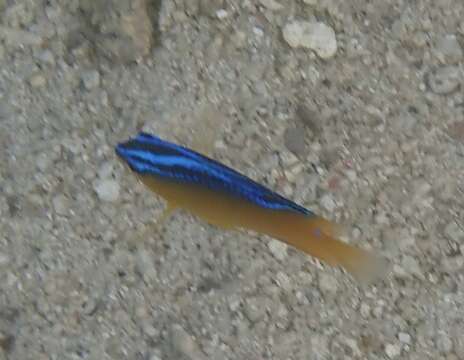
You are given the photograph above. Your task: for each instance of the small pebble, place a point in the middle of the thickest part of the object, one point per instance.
(410, 266)
(351, 175)
(365, 310)
(405, 338)
(278, 249)
(272, 5)
(311, 35)
(185, 343)
(106, 170)
(308, 116)
(448, 49)
(320, 345)
(392, 351)
(399, 271)
(258, 31)
(151, 330)
(288, 190)
(91, 79)
(456, 130)
(145, 265)
(19, 38)
(293, 173)
(328, 283)
(4, 260)
(294, 138)
(454, 232)
(382, 219)
(444, 343)
(328, 203)
(60, 204)
(90, 306)
(107, 190)
(234, 304)
(283, 280)
(155, 356)
(406, 241)
(352, 345)
(444, 80)
(37, 80)
(288, 159)
(405, 123)
(255, 309)
(46, 57)
(378, 311)
(239, 39)
(221, 14)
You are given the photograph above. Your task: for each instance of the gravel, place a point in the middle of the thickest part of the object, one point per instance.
(295, 141)
(315, 36)
(354, 109)
(107, 190)
(448, 49)
(393, 351)
(37, 81)
(328, 203)
(278, 249)
(404, 338)
(328, 283)
(272, 5)
(91, 79)
(444, 80)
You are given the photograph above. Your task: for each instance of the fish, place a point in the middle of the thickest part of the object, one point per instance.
(225, 198)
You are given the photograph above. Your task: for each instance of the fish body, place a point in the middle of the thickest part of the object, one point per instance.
(149, 155)
(225, 198)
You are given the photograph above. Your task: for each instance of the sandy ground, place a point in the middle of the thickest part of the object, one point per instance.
(352, 108)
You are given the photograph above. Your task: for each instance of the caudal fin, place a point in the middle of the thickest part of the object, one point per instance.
(320, 240)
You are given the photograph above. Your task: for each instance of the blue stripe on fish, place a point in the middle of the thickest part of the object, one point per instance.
(149, 155)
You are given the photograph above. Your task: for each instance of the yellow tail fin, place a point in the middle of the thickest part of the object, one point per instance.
(319, 238)
(321, 242)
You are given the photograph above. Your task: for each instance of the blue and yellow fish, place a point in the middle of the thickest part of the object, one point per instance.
(230, 200)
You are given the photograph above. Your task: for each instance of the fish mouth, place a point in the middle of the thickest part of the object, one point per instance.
(119, 149)
(124, 145)
(123, 150)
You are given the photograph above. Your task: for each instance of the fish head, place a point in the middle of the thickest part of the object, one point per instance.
(138, 152)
